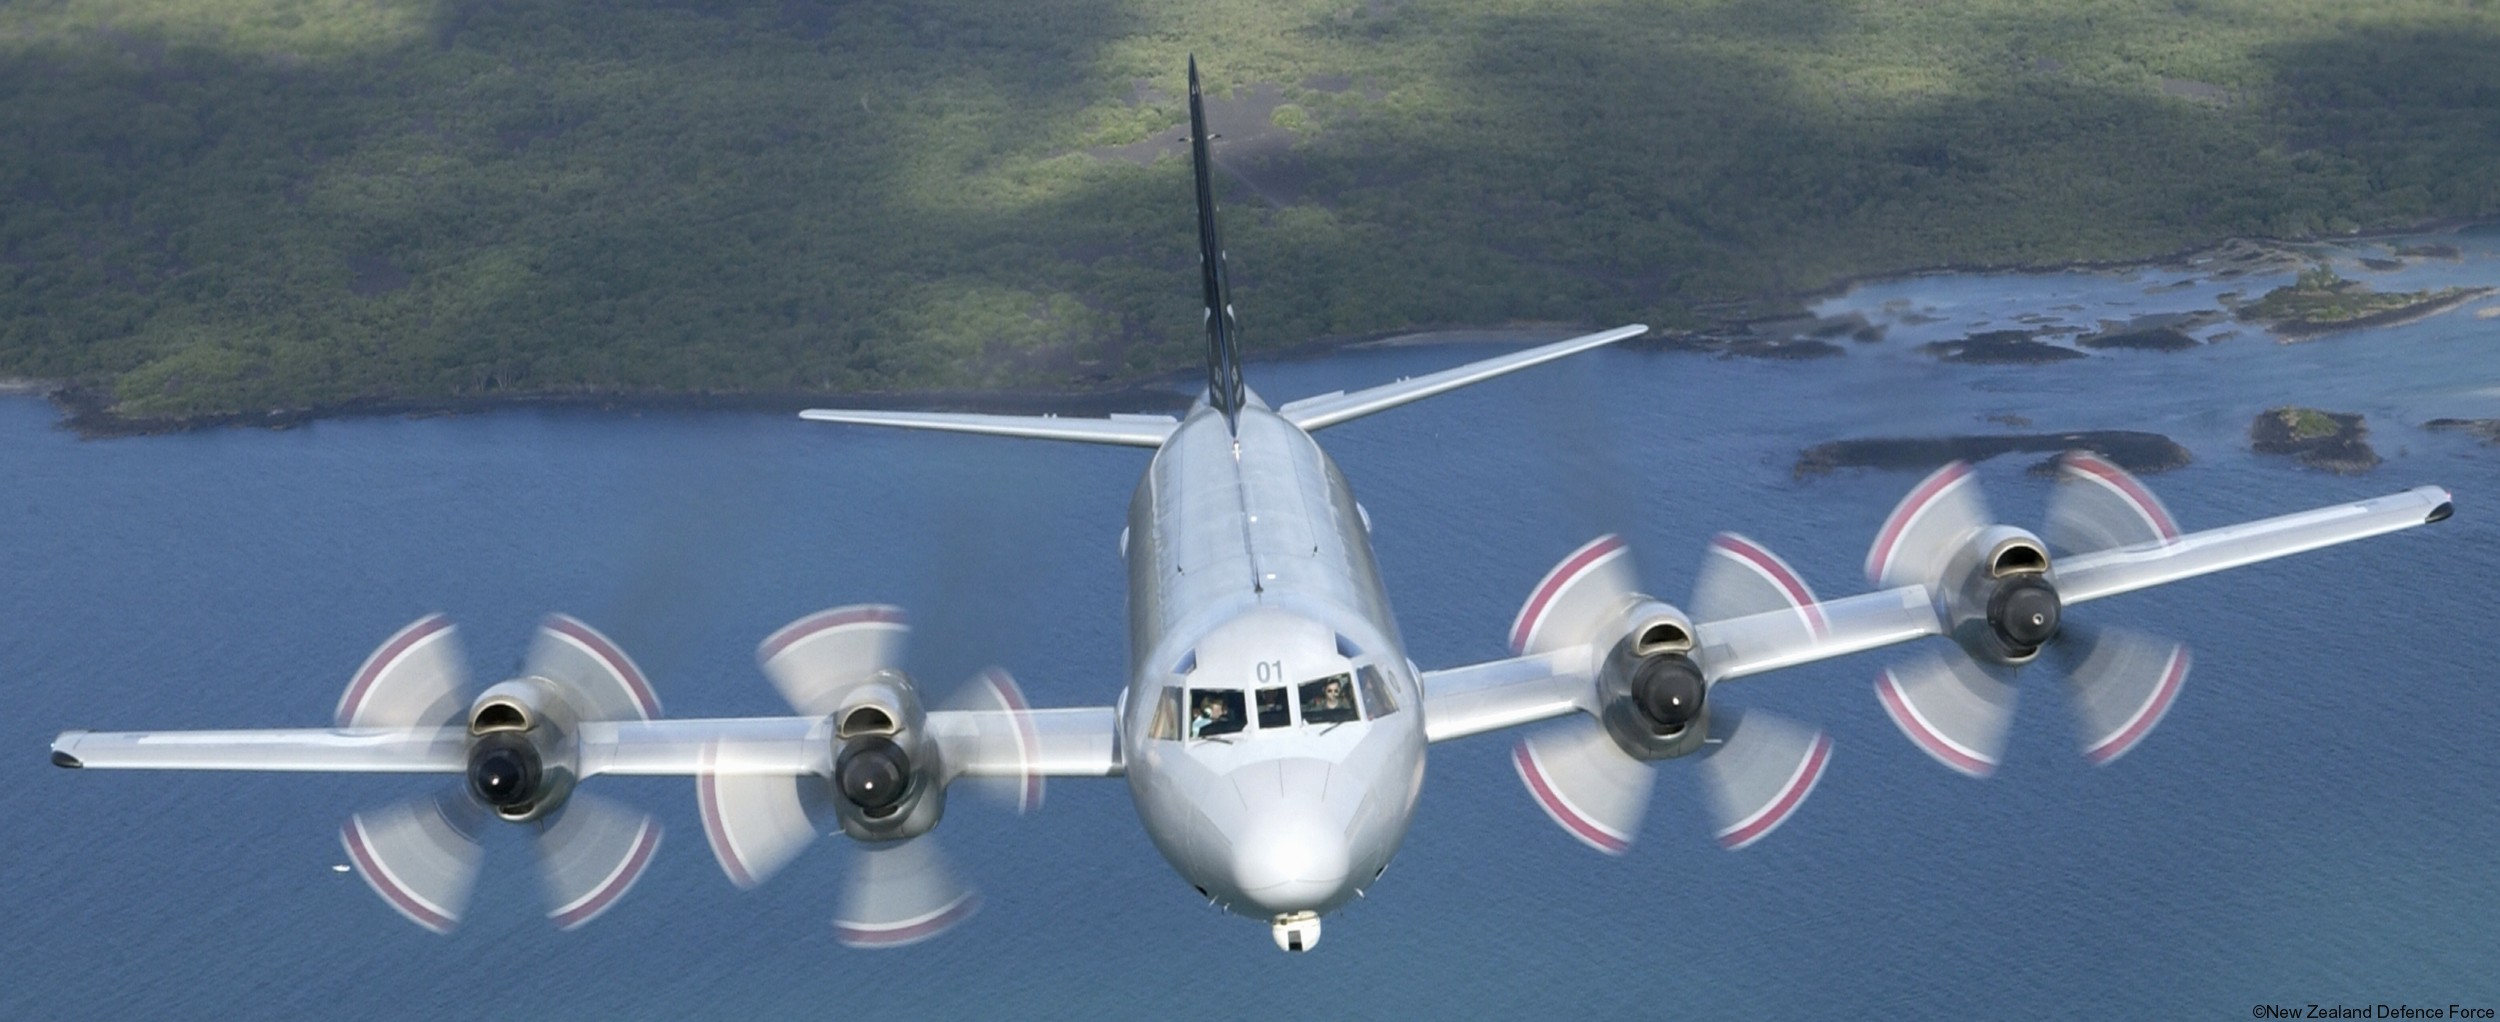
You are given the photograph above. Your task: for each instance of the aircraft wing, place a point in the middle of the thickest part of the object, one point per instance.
(1076, 742)
(361, 750)
(1312, 413)
(1123, 430)
(2112, 572)
(1079, 742)
(1497, 694)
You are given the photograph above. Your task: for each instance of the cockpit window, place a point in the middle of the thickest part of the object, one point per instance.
(1167, 720)
(1376, 691)
(1274, 709)
(1215, 711)
(1329, 700)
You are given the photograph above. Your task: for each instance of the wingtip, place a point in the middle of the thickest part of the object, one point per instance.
(65, 761)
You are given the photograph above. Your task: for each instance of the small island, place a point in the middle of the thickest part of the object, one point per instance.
(2322, 302)
(2134, 451)
(2334, 441)
(2160, 338)
(2000, 347)
(2488, 429)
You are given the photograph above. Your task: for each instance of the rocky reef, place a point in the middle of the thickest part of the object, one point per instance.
(2334, 441)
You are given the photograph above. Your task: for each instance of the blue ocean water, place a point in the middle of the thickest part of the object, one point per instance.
(2313, 822)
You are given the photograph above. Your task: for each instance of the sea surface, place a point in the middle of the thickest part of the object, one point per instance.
(2314, 821)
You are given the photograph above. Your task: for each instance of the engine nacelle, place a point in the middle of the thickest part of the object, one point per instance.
(1651, 694)
(889, 782)
(1999, 599)
(522, 756)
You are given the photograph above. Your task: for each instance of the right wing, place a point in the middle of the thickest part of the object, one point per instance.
(1074, 742)
(1497, 694)
(357, 750)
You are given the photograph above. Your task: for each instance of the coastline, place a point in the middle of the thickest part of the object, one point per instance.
(86, 410)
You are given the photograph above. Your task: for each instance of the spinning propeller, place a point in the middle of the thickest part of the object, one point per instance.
(523, 754)
(882, 777)
(1996, 588)
(1592, 774)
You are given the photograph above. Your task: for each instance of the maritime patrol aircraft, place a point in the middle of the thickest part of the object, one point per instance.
(1273, 727)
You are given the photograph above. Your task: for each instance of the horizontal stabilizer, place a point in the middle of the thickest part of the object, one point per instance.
(1126, 430)
(1313, 413)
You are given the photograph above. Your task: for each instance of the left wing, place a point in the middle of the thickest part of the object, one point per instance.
(1496, 694)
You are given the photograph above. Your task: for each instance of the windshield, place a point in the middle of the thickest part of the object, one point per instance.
(1215, 711)
(1329, 700)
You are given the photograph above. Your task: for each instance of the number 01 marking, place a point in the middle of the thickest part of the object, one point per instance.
(1271, 670)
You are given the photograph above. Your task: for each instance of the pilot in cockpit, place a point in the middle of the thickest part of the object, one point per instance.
(1328, 701)
(1333, 697)
(1211, 716)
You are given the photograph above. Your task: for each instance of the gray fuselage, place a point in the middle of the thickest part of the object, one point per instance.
(1256, 615)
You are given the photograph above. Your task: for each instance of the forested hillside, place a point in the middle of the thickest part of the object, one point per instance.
(219, 205)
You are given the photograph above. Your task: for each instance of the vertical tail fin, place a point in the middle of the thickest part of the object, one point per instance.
(1224, 385)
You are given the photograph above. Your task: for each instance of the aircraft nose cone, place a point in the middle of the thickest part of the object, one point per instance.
(1290, 864)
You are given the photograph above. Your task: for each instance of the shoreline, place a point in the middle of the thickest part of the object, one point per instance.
(85, 407)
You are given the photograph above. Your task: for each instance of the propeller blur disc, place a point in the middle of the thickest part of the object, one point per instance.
(414, 679)
(1921, 532)
(1954, 709)
(1585, 783)
(817, 659)
(1003, 740)
(2099, 506)
(1762, 770)
(756, 822)
(590, 667)
(419, 855)
(590, 854)
(1576, 599)
(901, 893)
(2123, 683)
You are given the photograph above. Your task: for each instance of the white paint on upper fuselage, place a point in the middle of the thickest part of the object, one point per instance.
(1247, 555)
